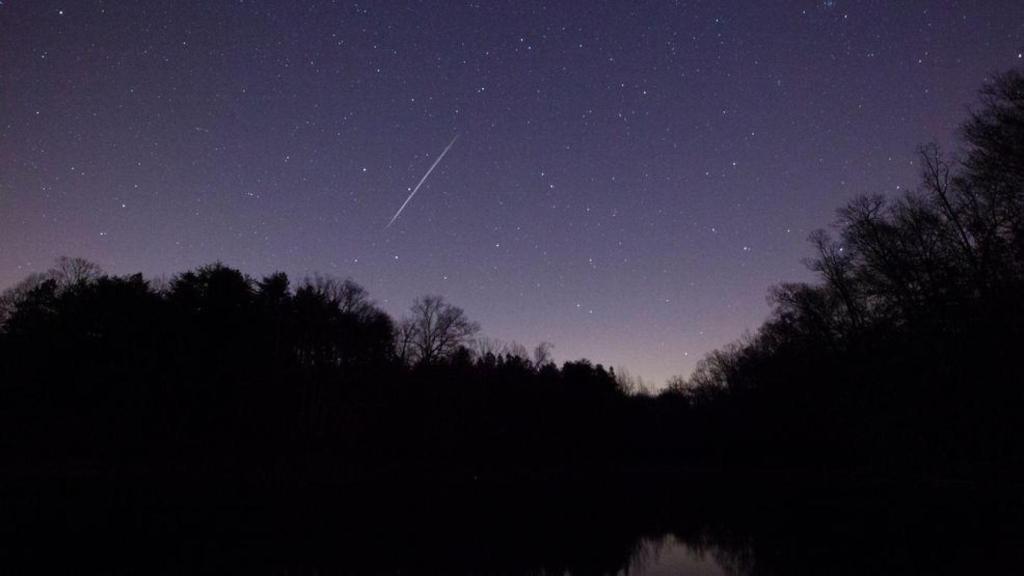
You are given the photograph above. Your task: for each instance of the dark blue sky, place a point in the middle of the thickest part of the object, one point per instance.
(628, 181)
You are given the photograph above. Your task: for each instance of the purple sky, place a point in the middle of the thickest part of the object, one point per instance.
(628, 181)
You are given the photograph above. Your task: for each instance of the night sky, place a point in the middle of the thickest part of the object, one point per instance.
(628, 180)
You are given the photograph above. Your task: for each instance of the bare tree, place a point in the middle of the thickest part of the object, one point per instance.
(516, 350)
(66, 272)
(542, 355)
(484, 346)
(835, 265)
(436, 329)
(494, 347)
(406, 335)
(15, 295)
(70, 271)
(630, 384)
(346, 294)
(676, 384)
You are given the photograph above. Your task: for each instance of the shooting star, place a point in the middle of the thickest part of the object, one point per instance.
(422, 180)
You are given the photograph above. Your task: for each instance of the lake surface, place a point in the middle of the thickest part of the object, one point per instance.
(697, 531)
(668, 556)
(379, 554)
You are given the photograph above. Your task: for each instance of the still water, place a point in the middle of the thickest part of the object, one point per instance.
(692, 533)
(668, 556)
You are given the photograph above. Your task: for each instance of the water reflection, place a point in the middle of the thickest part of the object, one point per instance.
(700, 535)
(668, 556)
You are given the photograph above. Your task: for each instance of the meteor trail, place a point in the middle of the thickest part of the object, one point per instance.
(422, 180)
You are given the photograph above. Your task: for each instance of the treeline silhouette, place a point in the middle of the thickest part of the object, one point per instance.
(216, 374)
(904, 359)
(906, 356)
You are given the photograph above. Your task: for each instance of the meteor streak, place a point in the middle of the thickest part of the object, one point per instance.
(422, 180)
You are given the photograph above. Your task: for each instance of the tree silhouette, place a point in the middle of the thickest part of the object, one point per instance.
(900, 356)
(436, 329)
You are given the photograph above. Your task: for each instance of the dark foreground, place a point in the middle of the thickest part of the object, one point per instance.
(774, 525)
